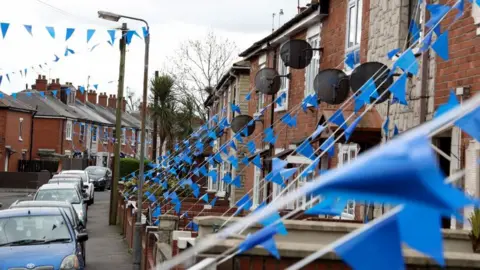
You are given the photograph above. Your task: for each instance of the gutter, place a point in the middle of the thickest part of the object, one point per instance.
(31, 132)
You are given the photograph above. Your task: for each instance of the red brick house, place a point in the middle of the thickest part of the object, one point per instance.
(15, 132)
(323, 25)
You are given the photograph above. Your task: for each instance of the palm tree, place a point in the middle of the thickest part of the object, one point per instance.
(164, 109)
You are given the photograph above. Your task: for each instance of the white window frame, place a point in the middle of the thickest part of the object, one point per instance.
(313, 38)
(262, 63)
(212, 186)
(284, 86)
(20, 129)
(105, 138)
(221, 191)
(68, 130)
(94, 133)
(357, 5)
(133, 136)
(347, 153)
(124, 133)
(82, 131)
(257, 178)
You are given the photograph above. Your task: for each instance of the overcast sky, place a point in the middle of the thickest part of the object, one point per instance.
(171, 22)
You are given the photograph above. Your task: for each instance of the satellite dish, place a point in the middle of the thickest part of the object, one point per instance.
(240, 122)
(332, 86)
(267, 81)
(296, 53)
(379, 72)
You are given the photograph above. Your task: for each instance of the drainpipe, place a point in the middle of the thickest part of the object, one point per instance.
(63, 135)
(31, 132)
(424, 79)
(234, 101)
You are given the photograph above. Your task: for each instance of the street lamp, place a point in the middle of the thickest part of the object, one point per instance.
(137, 248)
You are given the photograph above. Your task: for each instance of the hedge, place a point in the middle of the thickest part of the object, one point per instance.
(129, 165)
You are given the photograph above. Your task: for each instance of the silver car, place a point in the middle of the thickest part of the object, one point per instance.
(64, 192)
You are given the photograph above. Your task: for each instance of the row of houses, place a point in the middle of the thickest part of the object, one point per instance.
(53, 120)
(369, 29)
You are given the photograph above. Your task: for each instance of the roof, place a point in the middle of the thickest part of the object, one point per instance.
(10, 103)
(92, 114)
(107, 114)
(47, 105)
(34, 211)
(241, 65)
(58, 186)
(42, 204)
(310, 10)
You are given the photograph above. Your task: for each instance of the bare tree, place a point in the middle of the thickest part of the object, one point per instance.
(200, 64)
(133, 102)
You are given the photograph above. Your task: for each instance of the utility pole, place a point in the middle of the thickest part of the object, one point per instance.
(118, 127)
(155, 126)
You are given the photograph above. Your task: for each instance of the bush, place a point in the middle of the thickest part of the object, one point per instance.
(129, 165)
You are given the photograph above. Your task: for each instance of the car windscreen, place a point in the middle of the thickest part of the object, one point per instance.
(70, 195)
(81, 174)
(33, 230)
(96, 171)
(66, 180)
(68, 209)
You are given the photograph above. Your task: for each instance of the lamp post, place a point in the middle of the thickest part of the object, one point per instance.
(137, 245)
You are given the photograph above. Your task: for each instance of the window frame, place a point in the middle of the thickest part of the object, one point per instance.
(20, 129)
(357, 4)
(284, 86)
(262, 63)
(347, 150)
(82, 131)
(133, 137)
(69, 130)
(94, 134)
(313, 38)
(123, 136)
(257, 178)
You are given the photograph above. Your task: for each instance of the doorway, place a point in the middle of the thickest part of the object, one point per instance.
(444, 144)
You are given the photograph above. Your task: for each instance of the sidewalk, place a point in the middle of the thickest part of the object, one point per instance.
(105, 246)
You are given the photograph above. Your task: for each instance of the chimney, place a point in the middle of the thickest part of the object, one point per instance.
(40, 83)
(81, 97)
(112, 101)
(92, 97)
(301, 9)
(124, 105)
(102, 99)
(55, 85)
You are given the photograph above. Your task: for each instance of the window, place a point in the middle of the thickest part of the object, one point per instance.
(82, 131)
(133, 137)
(68, 130)
(213, 183)
(313, 38)
(20, 129)
(262, 63)
(347, 153)
(282, 70)
(94, 133)
(123, 136)
(224, 169)
(354, 31)
(105, 135)
(257, 177)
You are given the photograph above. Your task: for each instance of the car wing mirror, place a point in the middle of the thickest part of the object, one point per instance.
(82, 237)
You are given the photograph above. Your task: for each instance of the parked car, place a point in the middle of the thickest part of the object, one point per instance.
(75, 221)
(87, 182)
(75, 179)
(101, 177)
(39, 237)
(64, 192)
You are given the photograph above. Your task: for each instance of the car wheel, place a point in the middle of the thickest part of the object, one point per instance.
(102, 189)
(92, 201)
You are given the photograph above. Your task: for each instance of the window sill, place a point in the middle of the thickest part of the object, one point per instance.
(221, 194)
(211, 191)
(282, 109)
(68, 139)
(20, 139)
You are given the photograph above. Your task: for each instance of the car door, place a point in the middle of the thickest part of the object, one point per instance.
(109, 178)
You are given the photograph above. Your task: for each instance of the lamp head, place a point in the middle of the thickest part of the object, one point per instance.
(109, 16)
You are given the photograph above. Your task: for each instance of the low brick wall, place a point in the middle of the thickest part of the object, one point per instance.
(23, 180)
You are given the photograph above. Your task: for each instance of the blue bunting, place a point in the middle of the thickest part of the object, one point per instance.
(245, 203)
(245, 161)
(196, 190)
(287, 173)
(248, 96)
(28, 28)
(263, 237)
(4, 27)
(237, 182)
(398, 89)
(145, 31)
(437, 12)
(212, 203)
(426, 42)
(395, 131)
(441, 46)
(318, 131)
(414, 30)
(328, 206)
(251, 147)
(234, 161)
(272, 219)
(90, 33)
(305, 149)
(235, 108)
(69, 33)
(385, 126)
(338, 119)
(470, 124)
(460, 6)
(257, 162)
(232, 145)
(329, 146)
(351, 128)
(51, 31)
(392, 53)
(227, 178)
(407, 62)
(451, 104)
(381, 236)
(278, 164)
(213, 174)
(111, 33)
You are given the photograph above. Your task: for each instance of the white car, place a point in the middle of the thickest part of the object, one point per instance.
(88, 184)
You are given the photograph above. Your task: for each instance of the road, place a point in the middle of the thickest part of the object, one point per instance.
(105, 246)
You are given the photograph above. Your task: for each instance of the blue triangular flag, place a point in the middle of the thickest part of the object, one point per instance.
(212, 203)
(257, 162)
(351, 128)
(287, 173)
(69, 33)
(317, 132)
(111, 33)
(272, 219)
(328, 145)
(305, 149)
(441, 46)
(235, 108)
(398, 89)
(338, 119)
(14, 95)
(451, 103)
(395, 131)
(379, 237)
(129, 36)
(414, 31)
(4, 27)
(426, 42)
(470, 124)
(90, 33)
(95, 86)
(392, 53)
(245, 203)
(196, 190)
(407, 62)
(145, 32)
(385, 126)
(437, 12)
(248, 96)
(328, 206)
(251, 147)
(28, 28)
(157, 212)
(56, 58)
(263, 237)
(51, 31)
(204, 198)
(237, 182)
(278, 164)
(460, 6)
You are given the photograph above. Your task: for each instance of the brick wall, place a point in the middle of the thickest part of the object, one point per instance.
(13, 139)
(3, 120)
(462, 68)
(47, 134)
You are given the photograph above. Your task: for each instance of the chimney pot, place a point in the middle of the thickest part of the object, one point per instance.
(43, 77)
(53, 81)
(57, 80)
(39, 76)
